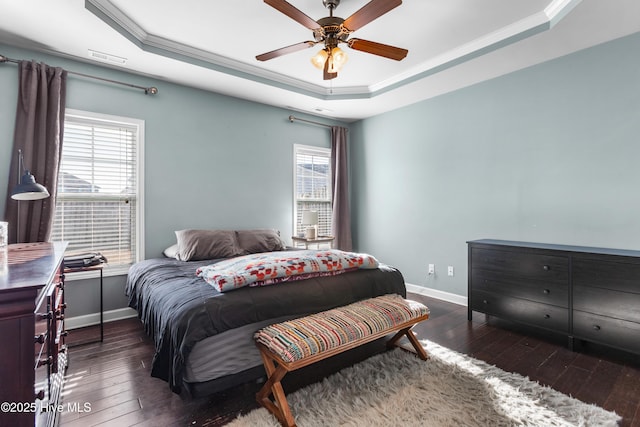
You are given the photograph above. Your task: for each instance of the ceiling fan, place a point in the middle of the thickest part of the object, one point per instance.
(332, 31)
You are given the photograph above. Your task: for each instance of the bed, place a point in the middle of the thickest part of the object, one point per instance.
(204, 338)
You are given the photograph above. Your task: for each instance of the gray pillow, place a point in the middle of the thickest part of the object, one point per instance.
(194, 245)
(255, 241)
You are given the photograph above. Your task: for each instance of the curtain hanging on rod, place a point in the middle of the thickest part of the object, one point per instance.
(38, 135)
(147, 90)
(341, 215)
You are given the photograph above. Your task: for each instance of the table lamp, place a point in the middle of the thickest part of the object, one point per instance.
(310, 218)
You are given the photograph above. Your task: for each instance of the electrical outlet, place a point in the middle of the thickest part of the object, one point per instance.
(432, 269)
(450, 271)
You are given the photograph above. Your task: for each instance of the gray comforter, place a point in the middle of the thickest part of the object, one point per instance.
(179, 309)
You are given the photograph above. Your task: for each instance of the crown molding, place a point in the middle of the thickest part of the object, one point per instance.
(558, 9)
(509, 34)
(527, 27)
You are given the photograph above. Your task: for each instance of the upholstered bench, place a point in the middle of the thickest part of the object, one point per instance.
(297, 343)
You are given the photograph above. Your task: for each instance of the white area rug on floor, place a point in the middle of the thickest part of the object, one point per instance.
(450, 389)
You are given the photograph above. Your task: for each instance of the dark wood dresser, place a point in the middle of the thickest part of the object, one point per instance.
(33, 355)
(592, 294)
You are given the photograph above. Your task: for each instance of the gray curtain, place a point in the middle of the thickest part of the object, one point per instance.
(341, 218)
(38, 133)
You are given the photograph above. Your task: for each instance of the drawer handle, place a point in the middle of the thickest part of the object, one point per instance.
(484, 301)
(547, 316)
(47, 361)
(43, 316)
(40, 395)
(546, 267)
(596, 327)
(40, 338)
(546, 292)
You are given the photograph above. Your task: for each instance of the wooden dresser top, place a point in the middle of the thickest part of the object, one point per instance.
(28, 265)
(558, 247)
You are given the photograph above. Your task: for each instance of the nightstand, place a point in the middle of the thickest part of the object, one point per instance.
(97, 267)
(317, 241)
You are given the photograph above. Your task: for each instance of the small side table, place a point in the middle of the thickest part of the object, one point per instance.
(97, 267)
(317, 241)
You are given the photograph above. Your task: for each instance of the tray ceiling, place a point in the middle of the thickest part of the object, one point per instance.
(212, 45)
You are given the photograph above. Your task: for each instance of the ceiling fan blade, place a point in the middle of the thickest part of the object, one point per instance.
(292, 12)
(326, 74)
(285, 50)
(370, 11)
(379, 49)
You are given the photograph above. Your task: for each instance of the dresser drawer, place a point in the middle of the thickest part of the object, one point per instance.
(532, 313)
(617, 333)
(606, 274)
(537, 266)
(546, 292)
(606, 302)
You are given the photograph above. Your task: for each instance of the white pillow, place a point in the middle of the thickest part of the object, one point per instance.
(171, 251)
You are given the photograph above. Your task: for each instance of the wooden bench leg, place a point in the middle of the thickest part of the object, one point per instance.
(279, 406)
(412, 339)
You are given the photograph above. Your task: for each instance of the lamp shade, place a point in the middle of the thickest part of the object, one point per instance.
(337, 59)
(310, 218)
(29, 189)
(319, 59)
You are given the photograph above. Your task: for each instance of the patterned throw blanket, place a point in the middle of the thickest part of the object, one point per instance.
(275, 267)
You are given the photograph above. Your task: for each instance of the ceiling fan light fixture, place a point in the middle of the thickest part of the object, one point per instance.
(337, 59)
(319, 59)
(332, 30)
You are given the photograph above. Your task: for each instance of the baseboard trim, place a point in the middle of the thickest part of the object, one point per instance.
(94, 318)
(435, 293)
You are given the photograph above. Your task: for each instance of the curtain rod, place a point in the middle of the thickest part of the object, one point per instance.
(147, 90)
(292, 118)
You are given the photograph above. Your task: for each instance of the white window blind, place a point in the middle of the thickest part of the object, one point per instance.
(312, 186)
(98, 206)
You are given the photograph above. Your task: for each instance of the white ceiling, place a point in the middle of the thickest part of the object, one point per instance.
(212, 44)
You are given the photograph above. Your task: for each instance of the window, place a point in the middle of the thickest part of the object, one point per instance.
(99, 202)
(312, 186)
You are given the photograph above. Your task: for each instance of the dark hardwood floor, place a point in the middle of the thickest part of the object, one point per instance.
(113, 379)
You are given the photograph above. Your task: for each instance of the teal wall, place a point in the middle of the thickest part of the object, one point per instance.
(211, 161)
(547, 154)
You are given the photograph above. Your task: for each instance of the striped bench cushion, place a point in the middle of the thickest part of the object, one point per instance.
(299, 338)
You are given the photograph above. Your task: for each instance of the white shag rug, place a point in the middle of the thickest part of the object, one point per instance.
(396, 388)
